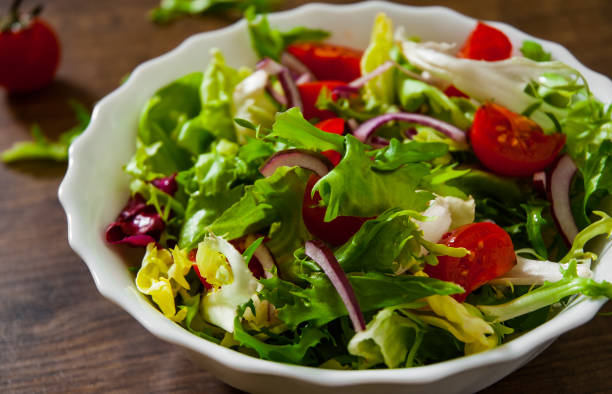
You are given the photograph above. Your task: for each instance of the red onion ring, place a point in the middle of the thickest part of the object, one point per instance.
(539, 182)
(295, 65)
(306, 159)
(262, 253)
(325, 258)
(560, 181)
(292, 94)
(364, 133)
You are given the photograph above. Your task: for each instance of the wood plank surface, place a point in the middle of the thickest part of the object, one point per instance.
(58, 334)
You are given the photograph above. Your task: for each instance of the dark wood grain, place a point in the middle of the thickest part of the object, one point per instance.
(57, 334)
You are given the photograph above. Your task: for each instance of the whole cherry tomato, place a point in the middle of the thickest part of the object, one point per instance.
(486, 43)
(335, 232)
(29, 51)
(327, 61)
(491, 254)
(511, 144)
(309, 92)
(334, 126)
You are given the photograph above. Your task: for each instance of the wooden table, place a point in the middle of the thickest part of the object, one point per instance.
(58, 334)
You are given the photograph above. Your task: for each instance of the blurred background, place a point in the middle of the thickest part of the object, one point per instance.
(58, 334)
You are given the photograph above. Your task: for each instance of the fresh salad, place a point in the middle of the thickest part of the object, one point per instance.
(382, 207)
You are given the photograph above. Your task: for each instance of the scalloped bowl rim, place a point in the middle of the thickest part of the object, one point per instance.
(163, 328)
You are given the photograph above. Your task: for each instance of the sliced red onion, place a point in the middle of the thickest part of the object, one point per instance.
(292, 94)
(269, 66)
(276, 95)
(325, 258)
(295, 65)
(304, 78)
(309, 160)
(539, 182)
(352, 124)
(262, 253)
(560, 181)
(359, 82)
(378, 142)
(365, 132)
(344, 90)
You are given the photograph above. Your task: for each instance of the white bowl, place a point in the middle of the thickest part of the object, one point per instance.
(95, 189)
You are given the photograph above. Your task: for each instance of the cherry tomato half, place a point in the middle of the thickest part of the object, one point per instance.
(309, 92)
(29, 54)
(335, 232)
(327, 61)
(491, 255)
(486, 43)
(511, 144)
(334, 126)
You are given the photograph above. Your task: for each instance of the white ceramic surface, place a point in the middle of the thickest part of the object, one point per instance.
(95, 189)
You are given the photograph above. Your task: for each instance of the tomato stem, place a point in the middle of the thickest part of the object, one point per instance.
(17, 20)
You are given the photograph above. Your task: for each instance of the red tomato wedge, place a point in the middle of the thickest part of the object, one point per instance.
(486, 43)
(327, 61)
(309, 92)
(511, 144)
(335, 232)
(491, 255)
(334, 126)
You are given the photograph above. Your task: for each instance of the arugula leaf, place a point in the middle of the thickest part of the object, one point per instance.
(372, 192)
(597, 174)
(535, 225)
(320, 302)
(269, 42)
(293, 352)
(534, 51)
(571, 284)
(44, 149)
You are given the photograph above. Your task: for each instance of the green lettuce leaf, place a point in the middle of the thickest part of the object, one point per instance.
(372, 192)
(399, 153)
(272, 203)
(534, 51)
(390, 338)
(291, 127)
(320, 303)
(269, 42)
(415, 96)
(216, 94)
(380, 88)
(384, 244)
(44, 149)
